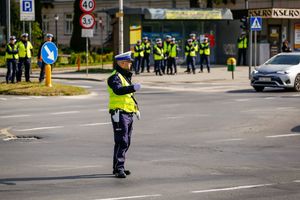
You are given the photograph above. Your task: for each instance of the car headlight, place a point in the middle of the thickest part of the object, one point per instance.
(282, 72)
(254, 71)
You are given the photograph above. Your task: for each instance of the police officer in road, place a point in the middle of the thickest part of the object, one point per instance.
(11, 56)
(41, 64)
(122, 107)
(25, 51)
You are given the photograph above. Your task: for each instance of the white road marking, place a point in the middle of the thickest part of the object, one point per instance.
(24, 98)
(174, 117)
(14, 116)
(296, 181)
(96, 124)
(226, 140)
(4, 99)
(242, 100)
(103, 110)
(63, 113)
(132, 197)
(285, 135)
(83, 86)
(40, 128)
(233, 188)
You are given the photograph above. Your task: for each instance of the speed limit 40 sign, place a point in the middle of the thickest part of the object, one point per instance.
(87, 6)
(87, 20)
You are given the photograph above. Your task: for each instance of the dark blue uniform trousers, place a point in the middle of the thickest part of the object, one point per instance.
(122, 137)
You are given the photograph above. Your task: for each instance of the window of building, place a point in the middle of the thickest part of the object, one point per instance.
(68, 24)
(45, 24)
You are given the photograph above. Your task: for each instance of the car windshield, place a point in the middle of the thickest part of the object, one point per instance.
(285, 60)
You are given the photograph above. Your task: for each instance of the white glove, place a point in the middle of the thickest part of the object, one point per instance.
(137, 86)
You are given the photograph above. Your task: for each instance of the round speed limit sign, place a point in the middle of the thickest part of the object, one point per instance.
(87, 20)
(87, 5)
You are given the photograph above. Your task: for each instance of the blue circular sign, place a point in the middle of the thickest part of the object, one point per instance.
(49, 53)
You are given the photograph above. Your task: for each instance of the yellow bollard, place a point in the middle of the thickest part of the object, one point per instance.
(48, 75)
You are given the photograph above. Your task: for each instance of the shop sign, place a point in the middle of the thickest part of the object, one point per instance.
(135, 34)
(193, 14)
(297, 36)
(280, 13)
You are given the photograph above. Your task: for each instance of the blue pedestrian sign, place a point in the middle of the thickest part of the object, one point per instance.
(49, 53)
(256, 23)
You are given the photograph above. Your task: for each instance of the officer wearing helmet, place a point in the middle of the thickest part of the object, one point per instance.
(11, 57)
(122, 107)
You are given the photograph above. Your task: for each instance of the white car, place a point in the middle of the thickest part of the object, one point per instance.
(282, 71)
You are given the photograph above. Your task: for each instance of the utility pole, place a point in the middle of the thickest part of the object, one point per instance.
(121, 31)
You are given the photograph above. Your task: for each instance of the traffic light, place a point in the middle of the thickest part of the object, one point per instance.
(245, 23)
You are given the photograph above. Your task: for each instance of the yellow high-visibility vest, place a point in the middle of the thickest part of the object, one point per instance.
(204, 49)
(191, 53)
(123, 102)
(147, 48)
(24, 51)
(172, 50)
(243, 43)
(138, 52)
(11, 56)
(160, 51)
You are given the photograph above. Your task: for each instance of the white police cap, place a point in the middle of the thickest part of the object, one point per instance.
(145, 38)
(49, 35)
(124, 56)
(168, 36)
(24, 35)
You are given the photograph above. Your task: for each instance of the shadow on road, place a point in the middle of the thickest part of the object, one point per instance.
(296, 129)
(12, 181)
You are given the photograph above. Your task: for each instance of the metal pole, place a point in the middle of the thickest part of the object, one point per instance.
(255, 50)
(121, 31)
(8, 21)
(24, 28)
(30, 31)
(102, 46)
(56, 35)
(87, 56)
(250, 48)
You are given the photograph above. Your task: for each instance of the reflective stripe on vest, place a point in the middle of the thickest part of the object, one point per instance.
(172, 51)
(160, 51)
(204, 49)
(24, 51)
(122, 102)
(11, 56)
(192, 53)
(243, 43)
(137, 51)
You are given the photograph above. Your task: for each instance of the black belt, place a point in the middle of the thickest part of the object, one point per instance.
(121, 111)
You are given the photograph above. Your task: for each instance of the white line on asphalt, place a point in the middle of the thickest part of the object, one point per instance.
(14, 116)
(296, 181)
(132, 197)
(285, 135)
(83, 86)
(96, 124)
(103, 110)
(242, 100)
(4, 99)
(67, 112)
(226, 140)
(24, 98)
(233, 188)
(40, 128)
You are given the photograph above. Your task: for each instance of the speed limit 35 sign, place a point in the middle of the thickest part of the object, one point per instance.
(87, 6)
(87, 20)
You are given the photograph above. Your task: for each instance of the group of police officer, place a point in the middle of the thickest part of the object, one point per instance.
(18, 54)
(165, 54)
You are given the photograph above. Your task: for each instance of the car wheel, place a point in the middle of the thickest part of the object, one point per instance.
(297, 83)
(258, 88)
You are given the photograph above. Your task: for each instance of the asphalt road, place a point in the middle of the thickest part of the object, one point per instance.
(195, 141)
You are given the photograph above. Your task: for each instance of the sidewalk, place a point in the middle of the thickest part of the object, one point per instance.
(218, 73)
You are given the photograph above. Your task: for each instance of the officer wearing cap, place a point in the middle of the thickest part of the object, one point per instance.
(172, 55)
(41, 64)
(204, 54)
(242, 48)
(138, 56)
(147, 50)
(195, 42)
(25, 52)
(190, 53)
(11, 57)
(166, 46)
(122, 107)
(158, 56)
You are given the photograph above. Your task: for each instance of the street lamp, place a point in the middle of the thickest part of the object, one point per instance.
(56, 17)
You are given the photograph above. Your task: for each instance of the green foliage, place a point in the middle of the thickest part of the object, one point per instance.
(93, 58)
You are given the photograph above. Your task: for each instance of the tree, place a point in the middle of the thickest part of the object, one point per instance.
(211, 2)
(77, 43)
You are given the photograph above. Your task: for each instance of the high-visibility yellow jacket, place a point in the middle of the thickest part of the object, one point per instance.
(11, 52)
(146, 47)
(158, 53)
(138, 51)
(190, 51)
(166, 46)
(122, 102)
(196, 45)
(172, 50)
(24, 51)
(204, 49)
(242, 43)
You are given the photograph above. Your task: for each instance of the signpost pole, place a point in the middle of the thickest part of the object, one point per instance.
(255, 47)
(30, 31)
(121, 45)
(87, 56)
(48, 81)
(250, 45)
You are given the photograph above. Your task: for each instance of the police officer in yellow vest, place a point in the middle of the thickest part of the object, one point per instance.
(122, 107)
(158, 56)
(166, 45)
(138, 56)
(172, 55)
(25, 52)
(147, 50)
(11, 57)
(242, 48)
(204, 54)
(190, 53)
